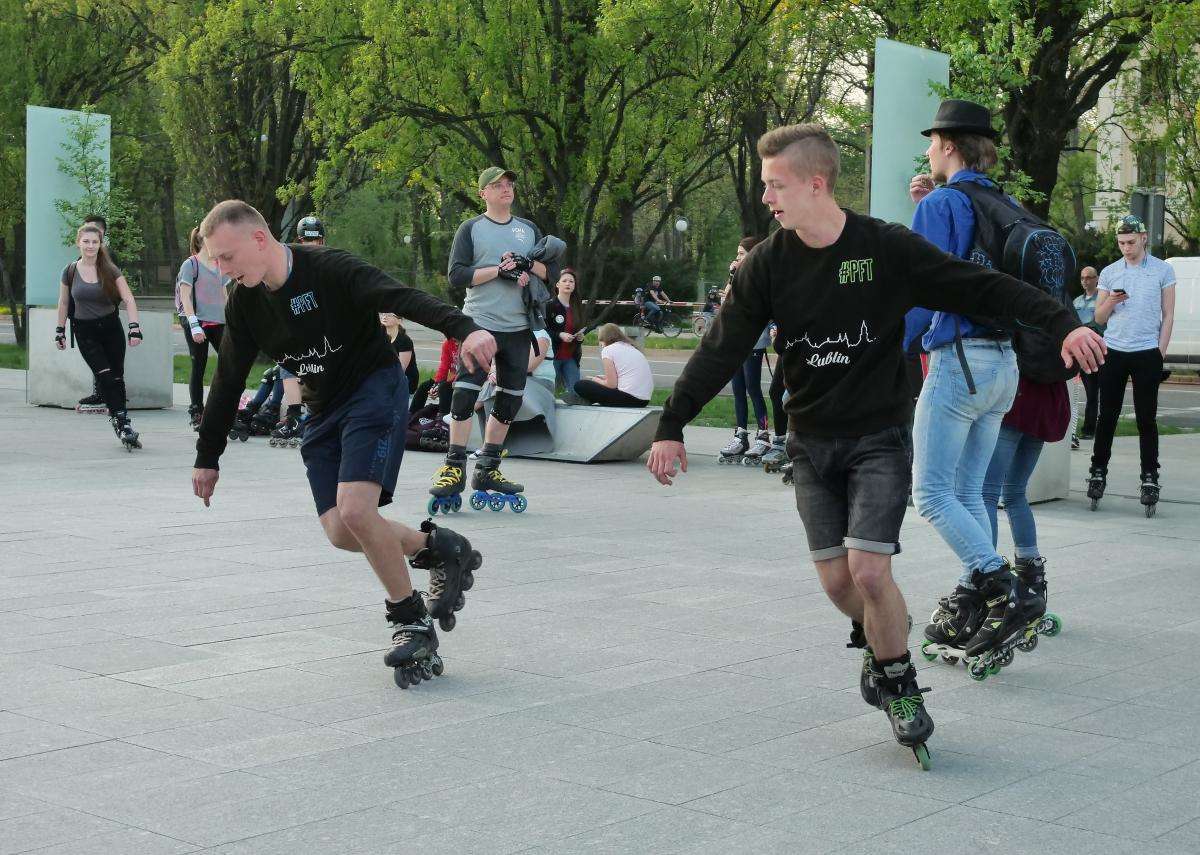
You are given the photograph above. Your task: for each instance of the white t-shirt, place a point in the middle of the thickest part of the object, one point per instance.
(1135, 324)
(633, 371)
(545, 370)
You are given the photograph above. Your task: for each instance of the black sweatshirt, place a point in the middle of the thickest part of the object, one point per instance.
(323, 326)
(840, 311)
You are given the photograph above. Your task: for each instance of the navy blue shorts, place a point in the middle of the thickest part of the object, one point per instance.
(360, 440)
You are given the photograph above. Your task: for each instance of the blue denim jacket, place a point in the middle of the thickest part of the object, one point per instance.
(946, 219)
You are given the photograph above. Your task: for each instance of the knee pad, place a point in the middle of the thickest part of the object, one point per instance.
(507, 404)
(462, 403)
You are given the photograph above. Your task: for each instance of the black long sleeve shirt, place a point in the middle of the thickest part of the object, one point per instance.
(323, 326)
(840, 312)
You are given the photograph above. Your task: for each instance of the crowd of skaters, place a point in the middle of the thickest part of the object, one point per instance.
(840, 298)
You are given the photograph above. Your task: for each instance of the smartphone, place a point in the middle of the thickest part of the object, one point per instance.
(1118, 290)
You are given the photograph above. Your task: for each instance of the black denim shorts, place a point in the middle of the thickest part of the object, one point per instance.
(852, 492)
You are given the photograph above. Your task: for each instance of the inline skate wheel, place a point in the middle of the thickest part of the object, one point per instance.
(1055, 625)
(400, 675)
(930, 655)
(436, 665)
(456, 503)
(922, 755)
(479, 500)
(426, 670)
(1150, 510)
(978, 671)
(431, 507)
(447, 623)
(948, 659)
(519, 504)
(468, 581)
(496, 503)
(1028, 645)
(1095, 504)
(1005, 660)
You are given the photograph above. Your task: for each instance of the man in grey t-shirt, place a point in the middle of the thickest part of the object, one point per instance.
(490, 258)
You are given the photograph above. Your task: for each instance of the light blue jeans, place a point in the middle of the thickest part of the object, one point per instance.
(1008, 474)
(954, 436)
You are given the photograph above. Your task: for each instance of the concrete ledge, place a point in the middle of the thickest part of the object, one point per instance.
(59, 378)
(1051, 478)
(584, 434)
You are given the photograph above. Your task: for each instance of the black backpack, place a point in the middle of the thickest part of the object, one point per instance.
(1011, 239)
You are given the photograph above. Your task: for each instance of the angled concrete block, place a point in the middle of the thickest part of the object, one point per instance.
(583, 434)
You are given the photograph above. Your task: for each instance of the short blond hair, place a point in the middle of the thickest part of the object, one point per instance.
(611, 333)
(809, 148)
(233, 212)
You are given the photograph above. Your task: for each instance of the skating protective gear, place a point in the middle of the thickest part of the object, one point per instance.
(310, 228)
(462, 402)
(507, 405)
(135, 332)
(523, 265)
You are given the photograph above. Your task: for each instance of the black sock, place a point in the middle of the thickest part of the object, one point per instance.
(293, 411)
(894, 668)
(456, 452)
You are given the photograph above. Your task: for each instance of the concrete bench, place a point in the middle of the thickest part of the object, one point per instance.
(584, 434)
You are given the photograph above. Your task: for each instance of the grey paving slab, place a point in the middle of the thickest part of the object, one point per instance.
(634, 672)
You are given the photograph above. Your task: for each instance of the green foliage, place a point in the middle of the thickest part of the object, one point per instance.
(102, 193)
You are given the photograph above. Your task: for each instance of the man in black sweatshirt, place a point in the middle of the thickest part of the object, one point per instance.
(315, 311)
(838, 285)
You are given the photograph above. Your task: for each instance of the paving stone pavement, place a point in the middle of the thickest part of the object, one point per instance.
(638, 669)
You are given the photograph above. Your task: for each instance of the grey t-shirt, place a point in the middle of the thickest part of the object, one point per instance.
(495, 305)
(90, 300)
(208, 291)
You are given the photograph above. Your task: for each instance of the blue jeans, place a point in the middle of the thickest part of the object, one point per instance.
(954, 436)
(1007, 476)
(566, 371)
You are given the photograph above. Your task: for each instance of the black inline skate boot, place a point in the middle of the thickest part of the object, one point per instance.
(1032, 599)
(242, 422)
(1150, 490)
(288, 433)
(451, 563)
(123, 428)
(868, 681)
(195, 414)
(953, 626)
(1002, 629)
(93, 403)
(1096, 482)
(901, 699)
(414, 654)
(264, 421)
(774, 459)
(493, 490)
(788, 478)
(448, 484)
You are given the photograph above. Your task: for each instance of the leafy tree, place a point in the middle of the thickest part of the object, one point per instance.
(1039, 63)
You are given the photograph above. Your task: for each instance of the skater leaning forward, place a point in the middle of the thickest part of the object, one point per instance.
(838, 285)
(314, 310)
(490, 257)
(90, 290)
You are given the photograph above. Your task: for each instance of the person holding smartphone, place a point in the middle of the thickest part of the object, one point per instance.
(1137, 305)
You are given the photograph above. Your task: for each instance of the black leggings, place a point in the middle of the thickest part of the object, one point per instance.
(1144, 368)
(101, 343)
(747, 380)
(606, 396)
(199, 353)
(777, 389)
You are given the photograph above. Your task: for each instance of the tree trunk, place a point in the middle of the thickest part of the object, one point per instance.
(170, 228)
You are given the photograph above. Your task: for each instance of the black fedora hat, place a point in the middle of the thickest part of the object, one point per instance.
(957, 115)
